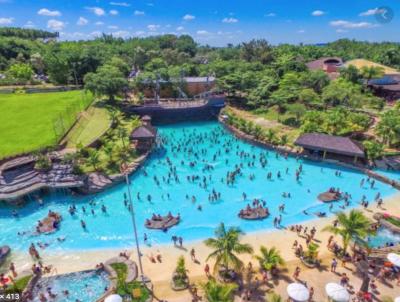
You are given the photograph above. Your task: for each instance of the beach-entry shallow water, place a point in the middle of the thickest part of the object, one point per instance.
(87, 286)
(195, 162)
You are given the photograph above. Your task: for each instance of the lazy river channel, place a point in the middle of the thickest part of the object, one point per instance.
(205, 144)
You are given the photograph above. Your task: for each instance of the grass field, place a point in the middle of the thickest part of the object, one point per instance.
(91, 124)
(33, 121)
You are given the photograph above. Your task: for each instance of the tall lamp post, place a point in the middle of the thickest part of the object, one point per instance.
(132, 211)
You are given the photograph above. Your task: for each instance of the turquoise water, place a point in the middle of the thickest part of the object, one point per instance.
(383, 237)
(85, 286)
(205, 143)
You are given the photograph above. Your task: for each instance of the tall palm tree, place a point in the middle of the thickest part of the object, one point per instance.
(122, 134)
(123, 154)
(217, 292)
(226, 245)
(352, 226)
(94, 159)
(109, 151)
(270, 258)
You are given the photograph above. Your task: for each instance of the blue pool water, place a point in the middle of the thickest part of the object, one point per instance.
(383, 236)
(85, 286)
(204, 140)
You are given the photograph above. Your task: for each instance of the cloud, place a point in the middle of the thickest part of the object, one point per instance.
(372, 12)
(318, 13)
(121, 34)
(29, 24)
(113, 12)
(348, 24)
(180, 28)
(230, 20)
(188, 17)
(96, 34)
(301, 31)
(138, 13)
(98, 11)
(82, 21)
(112, 27)
(55, 24)
(139, 33)
(270, 15)
(99, 23)
(48, 13)
(6, 21)
(202, 32)
(120, 4)
(153, 27)
(341, 30)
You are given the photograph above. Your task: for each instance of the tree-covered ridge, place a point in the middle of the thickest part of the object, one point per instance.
(27, 33)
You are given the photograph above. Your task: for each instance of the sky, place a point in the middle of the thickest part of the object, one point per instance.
(212, 22)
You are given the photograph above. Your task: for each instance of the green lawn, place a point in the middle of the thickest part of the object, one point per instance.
(92, 123)
(33, 121)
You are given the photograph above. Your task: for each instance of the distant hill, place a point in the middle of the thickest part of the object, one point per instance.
(26, 33)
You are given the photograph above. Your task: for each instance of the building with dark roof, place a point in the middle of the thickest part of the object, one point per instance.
(330, 65)
(387, 87)
(337, 147)
(144, 136)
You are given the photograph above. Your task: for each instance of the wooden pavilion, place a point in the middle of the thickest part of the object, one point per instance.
(335, 147)
(144, 136)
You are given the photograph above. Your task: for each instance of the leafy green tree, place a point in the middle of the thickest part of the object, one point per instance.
(257, 50)
(373, 149)
(270, 258)
(350, 226)
(316, 80)
(108, 80)
(340, 92)
(298, 110)
(226, 246)
(309, 97)
(21, 72)
(350, 74)
(388, 128)
(217, 292)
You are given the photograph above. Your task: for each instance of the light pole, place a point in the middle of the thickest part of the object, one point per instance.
(139, 255)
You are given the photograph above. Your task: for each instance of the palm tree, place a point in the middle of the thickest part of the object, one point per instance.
(217, 292)
(270, 258)
(226, 245)
(115, 117)
(352, 226)
(94, 159)
(122, 134)
(270, 135)
(109, 151)
(123, 153)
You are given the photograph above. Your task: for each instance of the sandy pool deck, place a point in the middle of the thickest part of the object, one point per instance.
(160, 273)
